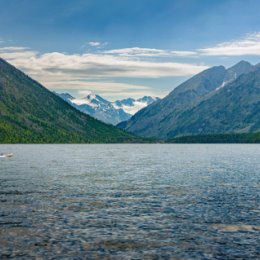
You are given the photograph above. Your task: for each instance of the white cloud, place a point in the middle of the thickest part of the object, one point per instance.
(14, 56)
(89, 66)
(14, 53)
(94, 44)
(98, 86)
(113, 86)
(249, 45)
(148, 52)
(184, 53)
(136, 51)
(57, 70)
(12, 49)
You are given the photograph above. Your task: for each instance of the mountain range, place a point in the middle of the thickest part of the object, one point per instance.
(106, 111)
(29, 113)
(215, 101)
(214, 104)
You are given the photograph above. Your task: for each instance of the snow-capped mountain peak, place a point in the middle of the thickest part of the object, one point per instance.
(104, 110)
(92, 100)
(92, 96)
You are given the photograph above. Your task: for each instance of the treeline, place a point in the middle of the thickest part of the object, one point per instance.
(10, 134)
(218, 138)
(29, 113)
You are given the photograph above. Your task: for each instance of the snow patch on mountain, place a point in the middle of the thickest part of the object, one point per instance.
(132, 106)
(106, 111)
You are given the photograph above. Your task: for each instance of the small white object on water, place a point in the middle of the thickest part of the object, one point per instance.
(6, 155)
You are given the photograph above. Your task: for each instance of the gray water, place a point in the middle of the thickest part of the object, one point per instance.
(130, 202)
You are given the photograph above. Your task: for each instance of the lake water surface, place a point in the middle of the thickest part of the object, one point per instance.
(152, 201)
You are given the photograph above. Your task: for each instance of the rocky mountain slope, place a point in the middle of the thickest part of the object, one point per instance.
(106, 111)
(217, 100)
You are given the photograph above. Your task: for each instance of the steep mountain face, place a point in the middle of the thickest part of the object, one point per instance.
(156, 119)
(97, 107)
(106, 111)
(235, 71)
(175, 114)
(234, 108)
(238, 69)
(29, 113)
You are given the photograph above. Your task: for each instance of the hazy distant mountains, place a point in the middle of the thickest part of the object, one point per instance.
(29, 113)
(106, 111)
(217, 100)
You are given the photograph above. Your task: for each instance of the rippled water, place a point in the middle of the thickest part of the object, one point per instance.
(130, 202)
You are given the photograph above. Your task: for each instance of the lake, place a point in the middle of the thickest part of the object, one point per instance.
(130, 201)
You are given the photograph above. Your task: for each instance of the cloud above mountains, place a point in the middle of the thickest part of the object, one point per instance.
(96, 65)
(106, 68)
(148, 52)
(248, 45)
(80, 71)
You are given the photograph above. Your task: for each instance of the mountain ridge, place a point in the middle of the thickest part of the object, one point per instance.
(107, 111)
(30, 113)
(162, 119)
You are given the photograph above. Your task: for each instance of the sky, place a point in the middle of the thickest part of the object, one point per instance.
(126, 48)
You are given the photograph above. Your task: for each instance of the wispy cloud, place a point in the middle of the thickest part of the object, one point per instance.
(96, 44)
(136, 51)
(99, 65)
(15, 53)
(99, 86)
(13, 49)
(57, 69)
(98, 69)
(248, 45)
(14, 57)
(184, 53)
(102, 71)
(148, 52)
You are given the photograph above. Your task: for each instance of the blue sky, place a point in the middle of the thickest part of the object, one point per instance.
(121, 48)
